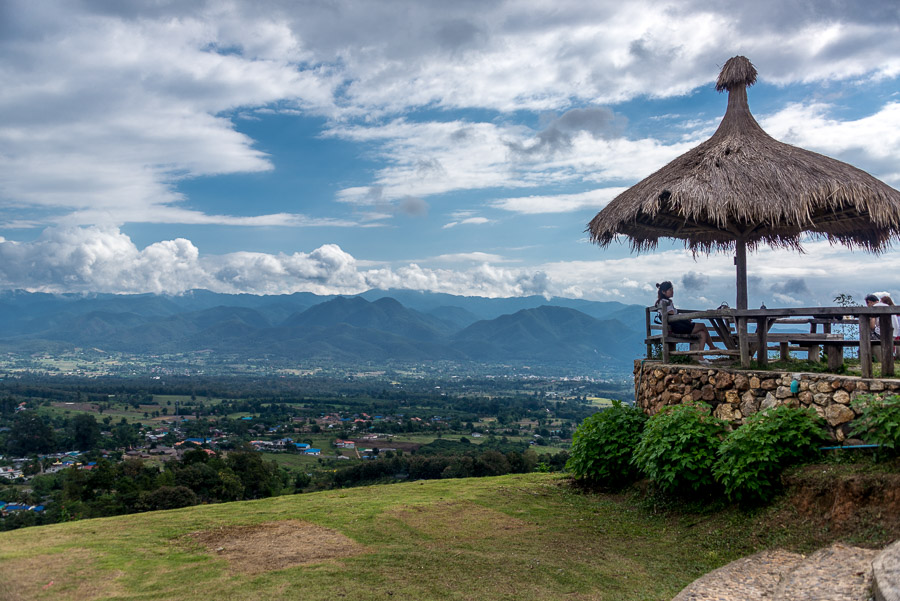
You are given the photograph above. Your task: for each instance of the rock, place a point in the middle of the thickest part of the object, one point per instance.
(806, 397)
(842, 397)
(862, 386)
(836, 415)
(708, 393)
(724, 380)
(820, 398)
(696, 394)
(876, 386)
(823, 387)
(686, 379)
(732, 397)
(741, 382)
(835, 384)
(849, 385)
(754, 382)
(749, 404)
(727, 412)
(768, 402)
(783, 392)
(658, 373)
(769, 384)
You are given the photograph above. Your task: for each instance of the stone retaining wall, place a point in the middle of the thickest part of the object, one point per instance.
(737, 394)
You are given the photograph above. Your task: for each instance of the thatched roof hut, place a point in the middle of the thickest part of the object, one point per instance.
(742, 187)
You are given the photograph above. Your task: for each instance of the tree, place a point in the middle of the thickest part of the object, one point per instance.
(30, 435)
(85, 432)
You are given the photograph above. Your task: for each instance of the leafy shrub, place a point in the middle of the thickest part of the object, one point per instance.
(603, 443)
(753, 456)
(879, 423)
(678, 448)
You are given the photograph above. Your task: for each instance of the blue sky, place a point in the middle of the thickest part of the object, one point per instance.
(272, 147)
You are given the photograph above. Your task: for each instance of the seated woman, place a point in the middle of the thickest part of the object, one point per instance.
(664, 293)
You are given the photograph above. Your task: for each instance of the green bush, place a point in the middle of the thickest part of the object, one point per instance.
(603, 443)
(753, 456)
(879, 423)
(678, 448)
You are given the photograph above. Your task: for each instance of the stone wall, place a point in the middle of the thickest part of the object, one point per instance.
(737, 394)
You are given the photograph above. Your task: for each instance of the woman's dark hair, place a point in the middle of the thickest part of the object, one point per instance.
(661, 289)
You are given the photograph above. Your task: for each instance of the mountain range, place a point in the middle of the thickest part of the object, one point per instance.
(376, 326)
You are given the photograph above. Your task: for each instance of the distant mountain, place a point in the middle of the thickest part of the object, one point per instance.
(548, 334)
(371, 327)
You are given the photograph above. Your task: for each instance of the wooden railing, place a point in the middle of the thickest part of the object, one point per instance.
(731, 328)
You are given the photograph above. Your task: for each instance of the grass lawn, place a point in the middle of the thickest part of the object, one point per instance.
(522, 537)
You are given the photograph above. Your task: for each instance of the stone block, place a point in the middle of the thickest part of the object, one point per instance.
(769, 384)
(727, 412)
(696, 394)
(806, 397)
(754, 382)
(749, 406)
(820, 398)
(823, 386)
(768, 402)
(842, 397)
(732, 397)
(836, 415)
(782, 392)
(724, 380)
(708, 393)
(741, 382)
(876, 386)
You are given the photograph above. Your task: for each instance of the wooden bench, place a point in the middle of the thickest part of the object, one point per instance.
(672, 339)
(834, 351)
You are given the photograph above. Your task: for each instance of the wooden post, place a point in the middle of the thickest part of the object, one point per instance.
(784, 351)
(743, 342)
(887, 345)
(865, 347)
(835, 354)
(665, 334)
(762, 331)
(649, 333)
(740, 262)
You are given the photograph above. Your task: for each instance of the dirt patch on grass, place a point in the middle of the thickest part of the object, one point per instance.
(460, 520)
(275, 545)
(69, 575)
(842, 501)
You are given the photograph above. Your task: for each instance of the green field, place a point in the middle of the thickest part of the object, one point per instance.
(517, 537)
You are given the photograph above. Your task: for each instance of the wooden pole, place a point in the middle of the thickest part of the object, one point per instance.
(740, 262)
(665, 333)
(887, 345)
(743, 342)
(762, 332)
(865, 347)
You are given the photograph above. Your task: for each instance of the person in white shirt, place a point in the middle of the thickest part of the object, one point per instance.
(875, 323)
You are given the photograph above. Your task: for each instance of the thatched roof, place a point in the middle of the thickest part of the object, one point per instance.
(744, 184)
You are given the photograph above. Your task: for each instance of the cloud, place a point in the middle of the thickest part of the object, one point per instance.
(597, 122)
(693, 280)
(468, 221)
(791, 286)
(103, 259)
(559, 203)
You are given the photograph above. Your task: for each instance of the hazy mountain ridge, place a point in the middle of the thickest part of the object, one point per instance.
(368, 327)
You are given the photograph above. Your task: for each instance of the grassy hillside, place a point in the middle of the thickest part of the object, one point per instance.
(522, 537)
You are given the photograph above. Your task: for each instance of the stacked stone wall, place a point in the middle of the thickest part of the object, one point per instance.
(736, 395)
